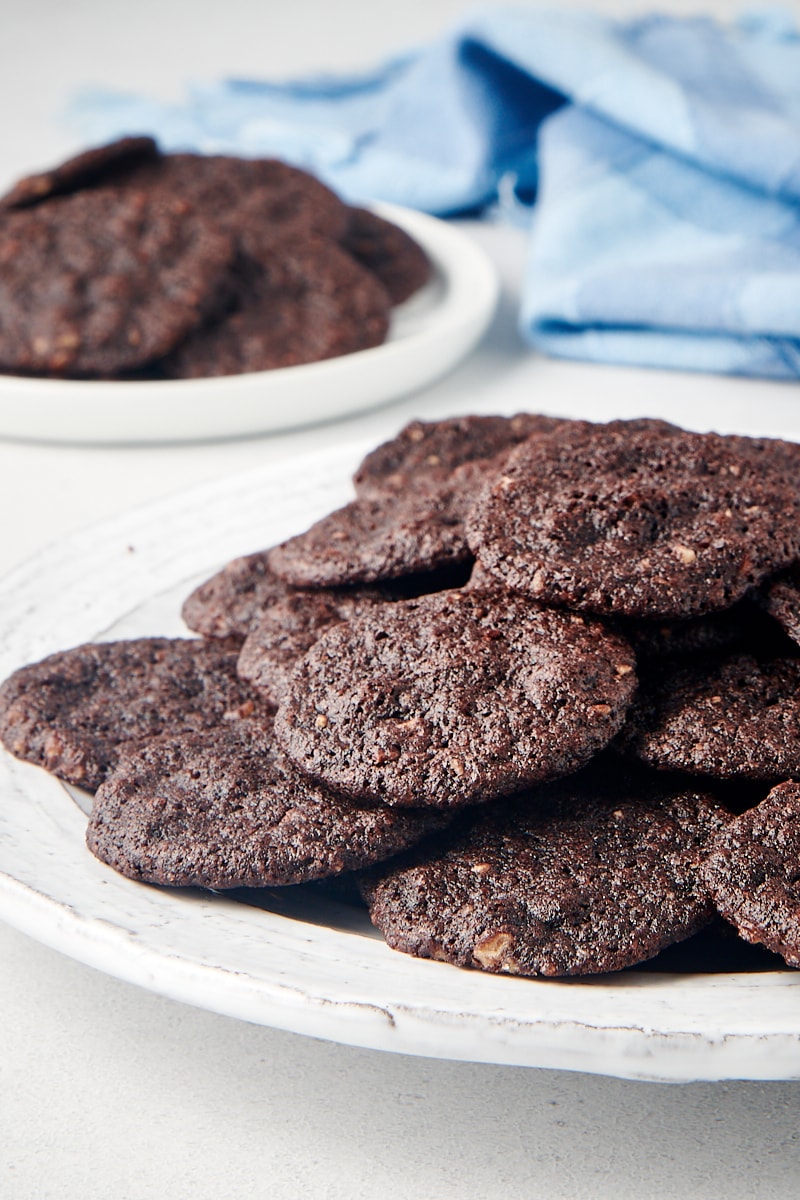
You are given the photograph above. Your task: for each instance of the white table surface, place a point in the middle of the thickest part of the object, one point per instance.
(109, 1091)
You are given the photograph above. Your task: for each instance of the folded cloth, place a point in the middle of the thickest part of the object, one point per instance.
(663, 156)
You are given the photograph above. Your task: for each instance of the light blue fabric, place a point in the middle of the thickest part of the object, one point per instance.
(663, 154)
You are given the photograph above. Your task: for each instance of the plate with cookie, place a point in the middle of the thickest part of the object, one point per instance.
(499, 767)
(159, 297)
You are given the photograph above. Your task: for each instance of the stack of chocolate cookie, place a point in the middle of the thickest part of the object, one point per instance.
(124, 263)
(521, 685)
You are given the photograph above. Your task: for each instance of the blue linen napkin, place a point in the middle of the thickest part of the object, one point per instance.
(663, 156)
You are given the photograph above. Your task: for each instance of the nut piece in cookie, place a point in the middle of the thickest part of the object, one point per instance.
(736, 716)
(75, 711)
(454, 698)
(576, 878)
(225, 809)
(753, 872)
(640, 518)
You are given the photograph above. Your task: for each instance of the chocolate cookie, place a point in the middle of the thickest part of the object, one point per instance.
(725, 717)
(576, 878)
(454, 698)
(74, 712)
(399, 262)
(427, 452)
(640, 518)
(741, 626)
(225, 809)
(292, 625)
(233, 600)
(301, 302)
(253, 198)
(82, 170)
(104, 281)
(752, 872)
(780, 598)
(384, 537)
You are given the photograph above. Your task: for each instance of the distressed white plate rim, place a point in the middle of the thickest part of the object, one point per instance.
(296, 965)
(429, 335)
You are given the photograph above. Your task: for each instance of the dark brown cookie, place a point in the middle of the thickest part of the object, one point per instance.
(254, 198)
(640, 518)
(724, 717)
(780, 598)
(454, 698)
(290, 627)
(753, 875)
(234, 599)
(741, 626)
(577, 878)
(399, 262)
(302, 302)
(105, 281)
(74, 712)
(83, 170)
(427, 452)
(225, 809)
(384, 537)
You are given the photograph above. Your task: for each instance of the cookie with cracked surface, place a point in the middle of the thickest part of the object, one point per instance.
(234, 599)
(302, 302)
(752, 872)
(394, 256)
(82, 170)
(576, 878)
(74, 712)
(640, 518)
(736, 716)
(105, 281)
(428, 452)
(454, 698)
(225, 809)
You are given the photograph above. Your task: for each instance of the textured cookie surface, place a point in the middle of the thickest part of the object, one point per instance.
(383, 538)
(290, 627)
(73, 712)
(399, 262)
(86, 168)
(572, 879)
(234, 599)
(105, 281)
(737, 716)
(225, 809)
(780, 597)
(752, 872)
(640, 518)
(454, 698)
(427, 452)
(250, 197)
(301, 302)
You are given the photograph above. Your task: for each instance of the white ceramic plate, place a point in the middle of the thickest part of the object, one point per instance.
(429, 335)
(298, 962)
